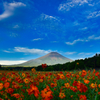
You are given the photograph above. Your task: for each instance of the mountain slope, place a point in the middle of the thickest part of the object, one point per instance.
(50, 59)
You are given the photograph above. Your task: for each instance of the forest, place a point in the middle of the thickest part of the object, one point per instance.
(80, 64)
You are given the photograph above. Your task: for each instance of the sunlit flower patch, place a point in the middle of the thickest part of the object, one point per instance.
(66, 85)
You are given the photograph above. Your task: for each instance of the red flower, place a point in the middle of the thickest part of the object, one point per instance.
(10, 90)
(58, 77)
(50, 73)
(3, 78)
(75, 83)
(81, 87)
(61, 72)
(1, 99)
(83, 97)
(44, 65)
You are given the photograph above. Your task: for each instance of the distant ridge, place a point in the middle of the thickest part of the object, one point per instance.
(51, 58)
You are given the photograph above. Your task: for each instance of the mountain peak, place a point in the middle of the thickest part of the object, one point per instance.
(53, 53)
(51, 58)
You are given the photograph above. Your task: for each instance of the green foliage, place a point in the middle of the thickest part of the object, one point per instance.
(49, 68)
(87, 63)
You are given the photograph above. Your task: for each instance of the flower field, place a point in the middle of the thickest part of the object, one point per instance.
(62, 85)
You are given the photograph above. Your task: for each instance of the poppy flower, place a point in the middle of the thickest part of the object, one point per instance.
(1, 86)
(61, 95)
(44, 65)
(6, 84)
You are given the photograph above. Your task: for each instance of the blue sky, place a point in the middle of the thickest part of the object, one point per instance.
(32, 28)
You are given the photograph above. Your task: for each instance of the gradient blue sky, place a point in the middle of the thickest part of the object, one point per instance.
(32, 28)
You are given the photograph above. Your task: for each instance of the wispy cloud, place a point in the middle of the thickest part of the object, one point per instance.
(71, 43)
(70, 53)
(54, 41)
(6, 51)
(76, 23)
(48, 17)
(27, 50)
(9, 9)
(16, 26)
(37, 39)
(67, 6)
(32, 51)
(83, 53)
(9, 62)
(93, 37)
(13, 35)
(94, 14)
(83, 28)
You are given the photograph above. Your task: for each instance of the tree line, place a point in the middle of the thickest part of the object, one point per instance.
(87, 63)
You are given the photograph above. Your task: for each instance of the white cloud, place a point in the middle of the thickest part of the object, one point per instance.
(71, 43)
(13, 35)
(76, 23)
(16, 26)
(9, 9)
(93, 37)
(94, 14)
(69, 53)
(6, 51)
(83, 28)
(68, 5)
(82, 53)
(33, 51)
(37, 39)
(47, 17)
(9, 62)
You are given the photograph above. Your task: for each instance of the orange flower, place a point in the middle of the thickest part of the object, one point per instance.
(77, 63)
(61, 76)
(68, 75)
(34, 90)
(55, 84)
(93, 70)
(93, 85)
(89, 71)
(83, 73)
(73, 89)
(6, 84)
(41, 80)
(16, 95)
(46, 93)
(26, 80)
(71, 96)
(23, 74)
(33, 70)
(99, 85)
(82, 97)
(48, 77)
(61, 95)
(1, 86)
(99, 93)
(67, 85)
(97, 73)
(77, 76)
(52, 84)
(86, 81)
